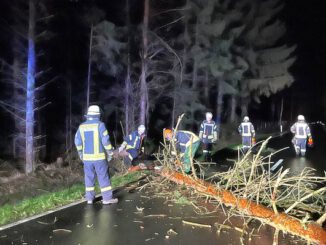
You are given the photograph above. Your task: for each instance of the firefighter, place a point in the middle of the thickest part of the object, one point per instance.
(247, 131)
(133, 145)
(187, 144)
(208, 135)
(95, 150)
(301, 131)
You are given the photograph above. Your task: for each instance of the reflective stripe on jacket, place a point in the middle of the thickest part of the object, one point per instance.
(184, 138)
(208, 130)
(301, 130)
(246, 129)
(133, 141)
(93, 140)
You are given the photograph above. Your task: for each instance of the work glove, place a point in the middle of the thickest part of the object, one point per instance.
(310, 142)
(121, 148)
(109, 156)
(253, 140)
(201, 135)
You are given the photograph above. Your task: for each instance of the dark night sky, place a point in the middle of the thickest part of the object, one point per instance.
(67, 54)
(306, 23)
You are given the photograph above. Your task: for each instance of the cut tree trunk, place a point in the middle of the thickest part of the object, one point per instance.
(312, 232)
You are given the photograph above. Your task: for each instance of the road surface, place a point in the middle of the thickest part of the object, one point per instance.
(123, 224)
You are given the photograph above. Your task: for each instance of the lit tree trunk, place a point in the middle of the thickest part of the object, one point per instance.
(89, 67)
(143, 82)
(30, 93)
(127, 102)
(281, 112)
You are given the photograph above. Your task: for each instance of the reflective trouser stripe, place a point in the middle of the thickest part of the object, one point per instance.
(90, 188)
(130, 157)
(109, 188)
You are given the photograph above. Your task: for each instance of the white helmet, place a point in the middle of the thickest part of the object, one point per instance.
(141, 129)
(209, 116)
(301, 118)
(93, 110)
(246, 119)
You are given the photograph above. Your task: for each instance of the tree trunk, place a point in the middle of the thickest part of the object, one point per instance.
(143, 82)
(127, 101)
(233, 108)
(219, 104)
(207, 89)
(194, 74)
(281, 112)
(89, 67)
(30, 90)
(182, 72)
(244, 107)
(68, 121)
(272, 114)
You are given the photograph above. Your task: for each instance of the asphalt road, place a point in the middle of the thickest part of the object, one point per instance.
(124, 224)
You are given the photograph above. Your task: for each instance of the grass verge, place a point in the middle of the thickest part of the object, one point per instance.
(45, 202)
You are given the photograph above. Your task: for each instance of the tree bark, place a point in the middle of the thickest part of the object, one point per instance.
(30, 91)
(127, 101)
(143, 82)
(233, 108)
(207, 89)
(219, 104)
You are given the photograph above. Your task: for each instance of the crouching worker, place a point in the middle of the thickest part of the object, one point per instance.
(132, 145)
(247, 131)
(95, 150)
(301, 131)
(187, 144)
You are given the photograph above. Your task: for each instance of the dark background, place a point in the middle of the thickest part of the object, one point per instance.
(67, 54)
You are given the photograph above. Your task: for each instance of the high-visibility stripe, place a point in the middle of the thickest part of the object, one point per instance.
(109, 188)
(105, 133)
(94, 157)
(90, 188)
(108, 147)
(96, 141)
(96, 150)
(79, 147)
(130, 157)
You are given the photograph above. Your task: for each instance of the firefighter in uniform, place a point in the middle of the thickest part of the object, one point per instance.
(187, 144)
(133, 144)
(95, 150)
(247, 131)
(208, 135)
(301, 131)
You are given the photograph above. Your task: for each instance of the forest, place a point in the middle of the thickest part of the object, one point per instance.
(142, 63)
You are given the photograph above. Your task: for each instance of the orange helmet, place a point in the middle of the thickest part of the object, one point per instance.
(167, 133)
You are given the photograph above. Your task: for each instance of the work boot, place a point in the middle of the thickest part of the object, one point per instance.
(111, 201)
